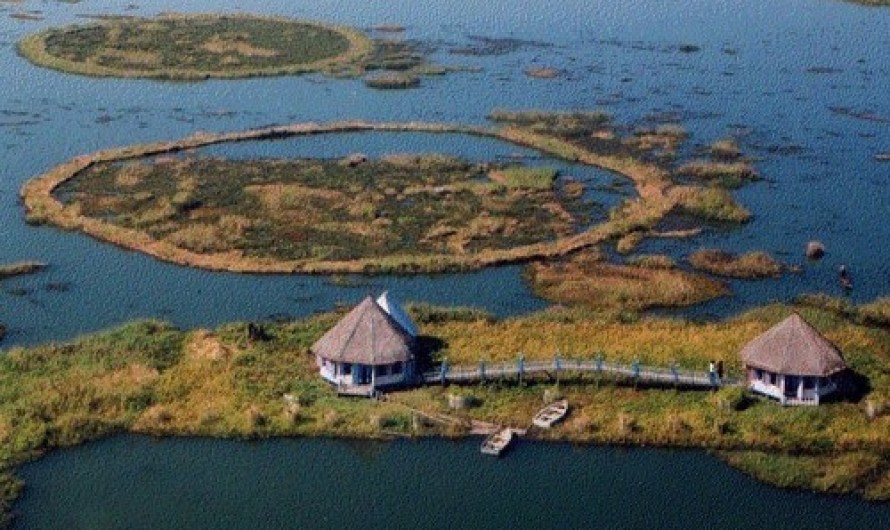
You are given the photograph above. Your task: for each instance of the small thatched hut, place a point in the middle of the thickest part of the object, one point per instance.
(793, 363)
(367, 349)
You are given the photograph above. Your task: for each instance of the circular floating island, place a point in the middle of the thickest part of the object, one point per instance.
(406, 213)
(198, 47)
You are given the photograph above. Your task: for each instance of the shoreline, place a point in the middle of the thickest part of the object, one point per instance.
(147, 377)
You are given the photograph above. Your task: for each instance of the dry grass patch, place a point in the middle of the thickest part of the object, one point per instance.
(713, 204)
(237, 44)
(751, 265)
(592, 283)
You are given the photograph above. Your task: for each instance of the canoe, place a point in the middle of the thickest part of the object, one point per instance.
(495, 444)
(552, 413)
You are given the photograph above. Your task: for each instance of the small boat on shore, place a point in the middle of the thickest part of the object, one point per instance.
(497, 442)
(551, 414)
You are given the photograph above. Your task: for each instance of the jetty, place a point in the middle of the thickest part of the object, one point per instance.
(521, 370)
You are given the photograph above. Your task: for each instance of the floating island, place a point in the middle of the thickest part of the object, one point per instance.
(201, 46)
(403, 213)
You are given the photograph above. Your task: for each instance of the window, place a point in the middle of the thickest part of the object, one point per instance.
(380, 371)
(397, 369)
(772, 378)
(347, 369)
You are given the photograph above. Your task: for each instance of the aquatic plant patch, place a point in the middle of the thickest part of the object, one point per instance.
(590, 281)
(320, 209)
(198, 46)
(749, 265)
(506, 213)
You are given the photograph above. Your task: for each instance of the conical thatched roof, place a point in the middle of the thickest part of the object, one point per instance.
(366, 335)
(794, 347)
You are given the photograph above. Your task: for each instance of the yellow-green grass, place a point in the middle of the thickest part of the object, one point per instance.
(711, 203)
(148, 377)
(876, 313)
(750, 265)
(569, 137)
(726, 174)
(540, 178)
(588, 281)
(725, 149)
(188, 47)
(652, 261)
(393, 81)
(327, 209)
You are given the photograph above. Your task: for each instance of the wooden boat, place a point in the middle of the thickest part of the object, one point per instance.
(495, 444)
(552, 413)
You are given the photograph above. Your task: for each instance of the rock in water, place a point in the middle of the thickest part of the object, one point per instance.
(815, 250)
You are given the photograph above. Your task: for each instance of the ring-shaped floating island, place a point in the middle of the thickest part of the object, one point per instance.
(190, 47)
(406, 213)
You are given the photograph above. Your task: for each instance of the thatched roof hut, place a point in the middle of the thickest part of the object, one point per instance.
(389, 304)
(794, 347)
(368, 335)
(793, 363)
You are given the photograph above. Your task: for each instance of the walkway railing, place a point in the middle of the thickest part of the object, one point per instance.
(521, 368)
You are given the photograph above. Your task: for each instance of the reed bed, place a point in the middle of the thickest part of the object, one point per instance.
(190, 47)
(586, 137)
(751, 265)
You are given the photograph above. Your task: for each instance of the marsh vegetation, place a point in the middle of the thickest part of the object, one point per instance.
(750, 265)
(335, 210)
(588, 280)
(149, 377)
(197, 47)
(378, 216)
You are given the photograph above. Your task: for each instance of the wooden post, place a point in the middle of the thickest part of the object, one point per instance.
(481, 371)
(520, 366)
(444, 370)
(635, 367)
(675, 374)
(556, 366)
(599, 367)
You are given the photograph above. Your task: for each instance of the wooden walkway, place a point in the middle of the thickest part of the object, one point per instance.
(521, 369)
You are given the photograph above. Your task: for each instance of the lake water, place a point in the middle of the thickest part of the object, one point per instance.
(755, 76)
(134, 482)
(802, 84)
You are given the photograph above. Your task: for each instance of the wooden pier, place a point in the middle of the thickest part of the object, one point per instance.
(520, 370)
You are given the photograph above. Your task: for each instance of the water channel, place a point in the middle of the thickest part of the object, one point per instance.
(802, 84)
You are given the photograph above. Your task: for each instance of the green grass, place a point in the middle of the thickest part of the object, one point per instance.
(725, 174)
(478, 224)
(539, 178)
(149, 377)
(319, 209)
(751, 265)
(197, 47)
